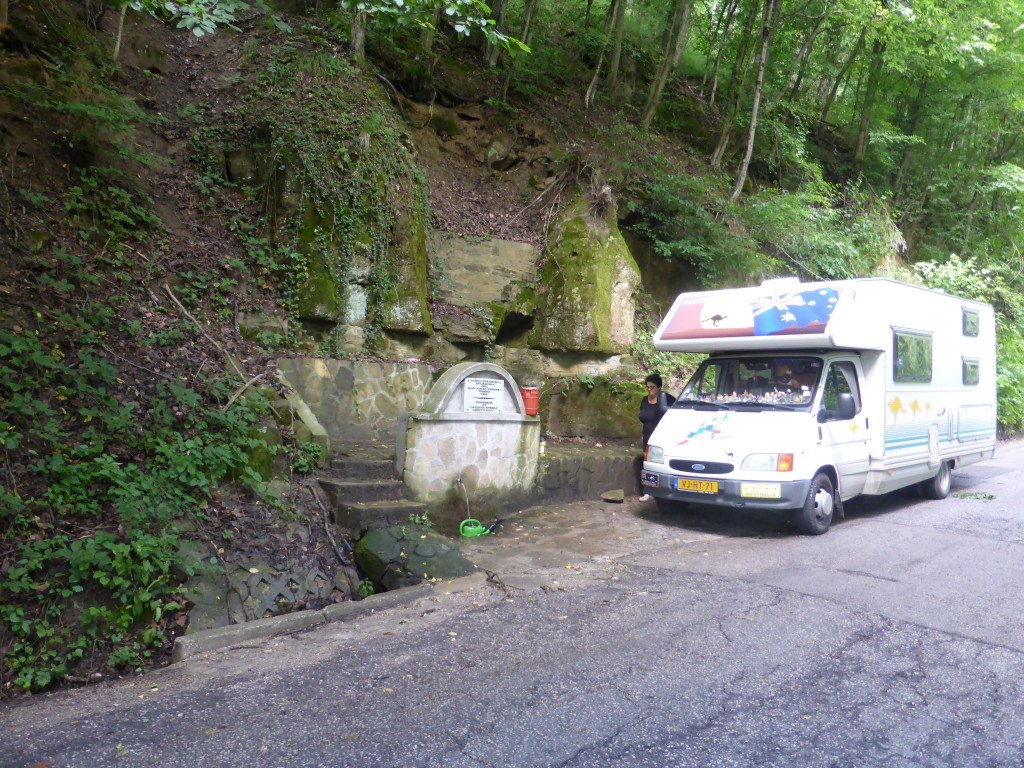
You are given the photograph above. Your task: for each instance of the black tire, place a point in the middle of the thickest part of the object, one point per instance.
(815, 517)
(938, 486)
(669, 505)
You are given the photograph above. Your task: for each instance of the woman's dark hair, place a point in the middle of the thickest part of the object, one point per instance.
(653, 379)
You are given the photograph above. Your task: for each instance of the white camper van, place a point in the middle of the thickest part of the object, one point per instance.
(814, 393)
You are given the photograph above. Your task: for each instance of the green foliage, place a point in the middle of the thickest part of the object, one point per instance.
(999, 286)
(307, 458)
(421, 519)
(118, 590)
(819, 233)
(105, 208)
(83, 452)
(465, 16)
(366, 588)
(673, 366)
(686, 218)
(202, 17)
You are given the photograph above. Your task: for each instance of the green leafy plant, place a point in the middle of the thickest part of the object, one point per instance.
(307, 458)
(421, 519)
(366, 588)
(90, 466)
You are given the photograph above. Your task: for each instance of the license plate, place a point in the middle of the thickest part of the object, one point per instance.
(699, 486)
(649, 478)
(761, 490)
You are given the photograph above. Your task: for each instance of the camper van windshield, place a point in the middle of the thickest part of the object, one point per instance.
(769, 382)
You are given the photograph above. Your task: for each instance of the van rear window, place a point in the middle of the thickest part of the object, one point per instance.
(912, 355)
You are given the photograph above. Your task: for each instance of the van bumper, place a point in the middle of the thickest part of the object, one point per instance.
(791, 494)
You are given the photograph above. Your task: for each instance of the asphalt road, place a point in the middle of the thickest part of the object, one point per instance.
(622, 637)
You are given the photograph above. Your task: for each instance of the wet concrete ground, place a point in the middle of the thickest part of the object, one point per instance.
(567, 545)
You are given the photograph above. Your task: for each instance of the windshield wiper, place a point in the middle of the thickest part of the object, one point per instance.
(703, 404)
(754, 404)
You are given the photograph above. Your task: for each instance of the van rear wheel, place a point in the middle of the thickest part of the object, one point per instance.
(815, 517)
(938, 487)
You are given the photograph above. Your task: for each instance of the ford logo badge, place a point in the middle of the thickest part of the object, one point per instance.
(699, 467)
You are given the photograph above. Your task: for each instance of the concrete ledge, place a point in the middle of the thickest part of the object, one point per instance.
(376, 602)
(187, 646)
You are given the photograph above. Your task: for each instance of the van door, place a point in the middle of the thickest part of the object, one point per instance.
(845, 438)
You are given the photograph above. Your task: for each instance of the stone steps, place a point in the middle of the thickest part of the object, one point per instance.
(362, 516)
(363, 490)
(377, 469)
(346, 489)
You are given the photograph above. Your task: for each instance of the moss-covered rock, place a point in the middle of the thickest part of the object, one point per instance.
(595, 408)
(406, 555)
(403, 276)
(585, 297)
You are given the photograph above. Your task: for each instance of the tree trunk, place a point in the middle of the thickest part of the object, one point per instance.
(528, 13)
(804, 57)
(738, 76)
(739, 64)
(589, 95)
(913, 118)
(684, 36)
(823, 118)
(612, 80)
(769, 23)
(869, 101)
(498, 14)
(723, 26)
(658, 84)
(427, 34)
(358, 33)
(120, 28)
(4, 17)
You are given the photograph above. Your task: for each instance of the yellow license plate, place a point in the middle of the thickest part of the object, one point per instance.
(700, 486)
(761, 490)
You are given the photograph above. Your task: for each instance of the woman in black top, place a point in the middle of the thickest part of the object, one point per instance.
(652, 408)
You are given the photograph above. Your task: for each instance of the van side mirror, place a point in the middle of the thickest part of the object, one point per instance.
(846, 408)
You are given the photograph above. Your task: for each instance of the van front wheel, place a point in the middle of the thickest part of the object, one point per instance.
(938, 487)
(815, 517)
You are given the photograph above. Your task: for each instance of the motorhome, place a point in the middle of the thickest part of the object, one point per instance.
(814, 393)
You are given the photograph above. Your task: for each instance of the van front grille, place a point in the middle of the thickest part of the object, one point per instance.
(701, 467)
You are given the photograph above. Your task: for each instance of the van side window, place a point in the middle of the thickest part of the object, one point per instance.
(972, 322)
(912, 360)
(841, 377)
(971, 370)
(707, 385)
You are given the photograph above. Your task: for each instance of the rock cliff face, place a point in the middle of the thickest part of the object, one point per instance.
(585, 297)
(360, 196)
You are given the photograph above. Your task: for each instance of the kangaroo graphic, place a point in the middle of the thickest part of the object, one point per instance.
(896, 406)
(715, 319)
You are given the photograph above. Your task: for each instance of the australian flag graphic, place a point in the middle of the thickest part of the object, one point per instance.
(792, 311)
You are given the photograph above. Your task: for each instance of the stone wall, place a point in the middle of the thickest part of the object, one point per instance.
(569, 473)
(354, 399)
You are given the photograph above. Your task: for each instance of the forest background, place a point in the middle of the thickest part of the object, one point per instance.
(737, 139)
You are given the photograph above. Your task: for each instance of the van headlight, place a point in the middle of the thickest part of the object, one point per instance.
(769, 462)
(655, 454)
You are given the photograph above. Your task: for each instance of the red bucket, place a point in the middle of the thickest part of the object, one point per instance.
(531, 399)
